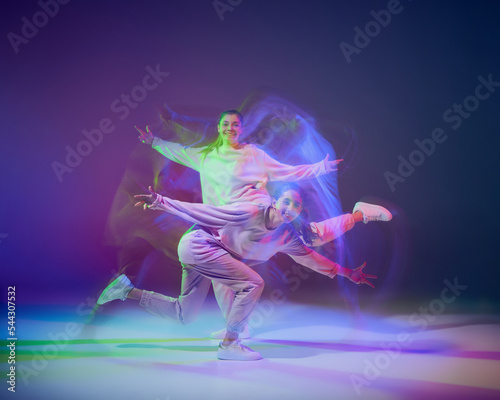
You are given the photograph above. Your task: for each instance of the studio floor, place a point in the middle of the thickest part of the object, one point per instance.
(310, 352)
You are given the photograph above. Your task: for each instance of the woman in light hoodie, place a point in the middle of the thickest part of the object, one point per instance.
(229, 240)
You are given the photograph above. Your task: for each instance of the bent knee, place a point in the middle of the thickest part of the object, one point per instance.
(186, 317)
(257, 283)
(184, 249)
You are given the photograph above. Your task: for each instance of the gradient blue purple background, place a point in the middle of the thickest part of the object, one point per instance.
(395, 91)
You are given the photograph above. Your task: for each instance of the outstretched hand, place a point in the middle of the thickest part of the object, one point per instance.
(332, 165)
(358, 276)
(146, 199)
(145, 137)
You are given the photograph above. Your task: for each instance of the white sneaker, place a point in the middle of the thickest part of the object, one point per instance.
(372, 212)
(118, 289)
(237, 351)
(221, 334)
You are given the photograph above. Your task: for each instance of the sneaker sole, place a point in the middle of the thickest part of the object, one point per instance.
(238, 359)
(100, 300)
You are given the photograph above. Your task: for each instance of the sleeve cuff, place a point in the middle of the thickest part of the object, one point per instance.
(324, 167)
(155, 205)
(154, 143)
(334, 271)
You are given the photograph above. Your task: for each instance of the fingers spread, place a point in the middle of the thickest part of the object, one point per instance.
(370, 284)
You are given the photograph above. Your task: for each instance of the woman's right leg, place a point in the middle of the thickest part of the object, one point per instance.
(194, 289)
(202, 251)
(203, 260)
(184, 308)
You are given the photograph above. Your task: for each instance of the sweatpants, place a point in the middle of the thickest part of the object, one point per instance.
(203, 261)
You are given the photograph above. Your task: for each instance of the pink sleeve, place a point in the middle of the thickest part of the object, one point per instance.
(283, 172)
(318, 263)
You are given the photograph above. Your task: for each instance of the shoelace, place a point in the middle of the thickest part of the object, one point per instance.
(237, 343)
(245, 348)
(368, 218)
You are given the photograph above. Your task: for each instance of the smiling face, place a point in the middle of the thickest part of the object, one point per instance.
(289, 205)
(230, 128)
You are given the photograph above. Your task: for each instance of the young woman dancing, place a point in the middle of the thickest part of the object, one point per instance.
(231, 171)
(230, 238)
(313, 234)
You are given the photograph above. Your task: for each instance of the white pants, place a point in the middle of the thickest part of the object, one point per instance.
(204, 261)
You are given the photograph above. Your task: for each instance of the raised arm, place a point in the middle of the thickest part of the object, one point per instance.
(176, 152)
(197, 213)
(324, 266)
(283, 172)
